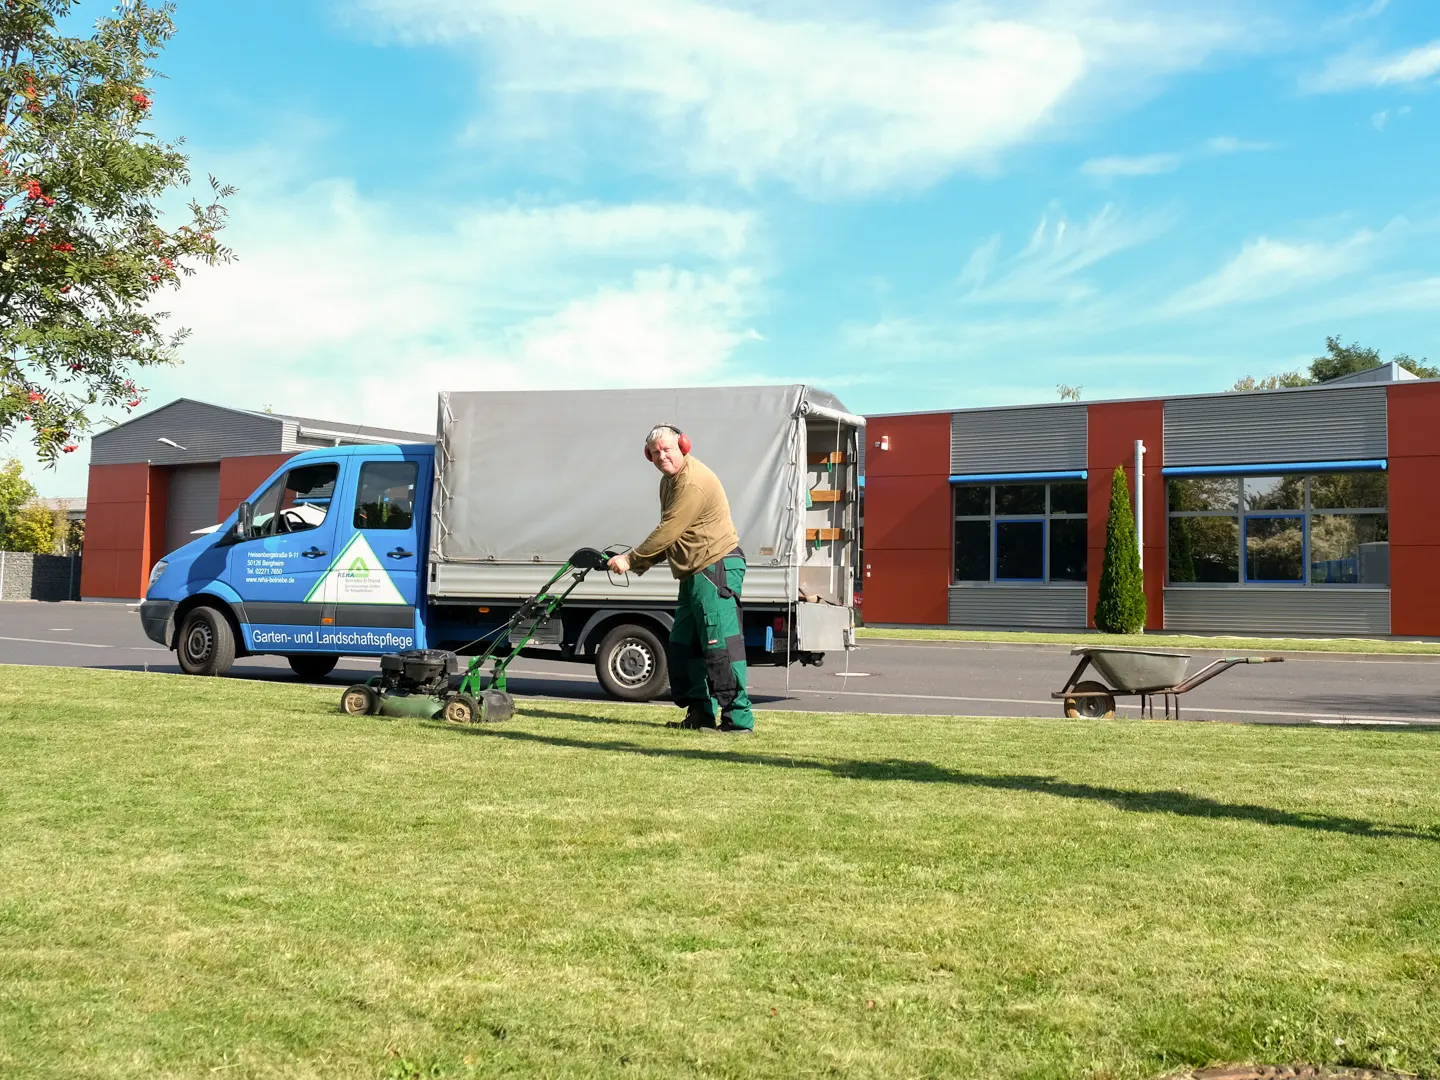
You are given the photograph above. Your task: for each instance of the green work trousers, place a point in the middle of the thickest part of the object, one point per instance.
(707, 646)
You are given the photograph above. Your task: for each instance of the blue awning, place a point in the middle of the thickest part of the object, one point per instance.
(1366, 465)
(1018, 477)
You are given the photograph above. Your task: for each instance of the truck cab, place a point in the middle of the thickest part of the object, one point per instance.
(323, 560)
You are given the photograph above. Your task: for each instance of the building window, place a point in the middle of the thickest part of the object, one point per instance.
(1020, 532)
(1294, 529)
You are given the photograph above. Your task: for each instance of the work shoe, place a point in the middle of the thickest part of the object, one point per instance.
(734, 729)
(695, 721)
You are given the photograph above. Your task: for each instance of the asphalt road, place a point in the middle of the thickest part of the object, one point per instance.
(938, 678)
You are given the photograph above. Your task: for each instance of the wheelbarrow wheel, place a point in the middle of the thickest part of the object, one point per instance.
(1100, 707)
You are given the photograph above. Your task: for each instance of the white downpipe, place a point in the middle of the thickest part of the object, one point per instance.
(1140, 500)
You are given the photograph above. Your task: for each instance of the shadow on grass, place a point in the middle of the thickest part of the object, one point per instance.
(923, 772)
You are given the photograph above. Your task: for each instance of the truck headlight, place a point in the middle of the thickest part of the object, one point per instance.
(156, 572)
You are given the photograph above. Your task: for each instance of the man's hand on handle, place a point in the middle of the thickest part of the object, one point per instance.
(619, 564)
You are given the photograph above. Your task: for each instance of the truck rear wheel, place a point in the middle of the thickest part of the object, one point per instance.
(630, 663)
(206, 645)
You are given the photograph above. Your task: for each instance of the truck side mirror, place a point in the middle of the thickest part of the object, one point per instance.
(245, 522)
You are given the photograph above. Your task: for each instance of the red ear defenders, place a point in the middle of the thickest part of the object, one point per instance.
(681, 439)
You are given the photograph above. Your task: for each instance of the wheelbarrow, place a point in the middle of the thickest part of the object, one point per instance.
(1138, 671)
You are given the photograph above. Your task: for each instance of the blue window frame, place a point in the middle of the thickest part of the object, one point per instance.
(1305, 526)
(1007, 532)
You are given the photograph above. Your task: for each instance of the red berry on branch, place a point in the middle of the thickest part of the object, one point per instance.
(34, 397)
(64, 288)
(70, 448)
(132, 404)
(62, 247)
(31, 239)
(154, 277)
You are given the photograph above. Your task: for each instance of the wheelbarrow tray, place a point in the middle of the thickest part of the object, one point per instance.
(1137, 670)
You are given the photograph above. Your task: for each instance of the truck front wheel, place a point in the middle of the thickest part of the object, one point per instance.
(206, 645)
(631, 663)
(312, 666)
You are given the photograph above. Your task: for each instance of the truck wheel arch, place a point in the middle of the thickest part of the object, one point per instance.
(190, 603)
(601, 622)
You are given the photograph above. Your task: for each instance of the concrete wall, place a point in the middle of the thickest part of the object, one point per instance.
(24, 576)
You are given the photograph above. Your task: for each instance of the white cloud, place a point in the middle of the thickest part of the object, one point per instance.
(1381, 120)
(1354, 70)
(1051, 268)
(1351, 18)
(1266, 268)
(1229, 144)
(1143, 165)
(360, 308)
(833, 105)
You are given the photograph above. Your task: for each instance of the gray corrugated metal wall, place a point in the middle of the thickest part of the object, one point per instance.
(1036, 439)
(1019, 607)
(207, 432)
(1248, 610)
(1301, 425)
(193, 503)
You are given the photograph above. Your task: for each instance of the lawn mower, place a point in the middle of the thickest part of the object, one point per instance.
(421, 682)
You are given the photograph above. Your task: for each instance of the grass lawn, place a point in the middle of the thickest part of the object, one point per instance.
(215, 878)
(1160, 641)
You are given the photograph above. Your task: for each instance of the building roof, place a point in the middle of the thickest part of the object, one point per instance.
(74, 508)
(186, 431)
(1373, 375)
(309, 426)
(1385, 373)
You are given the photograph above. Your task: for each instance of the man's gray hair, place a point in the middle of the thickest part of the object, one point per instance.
(661, 429)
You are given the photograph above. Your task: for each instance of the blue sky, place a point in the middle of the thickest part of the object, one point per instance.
(916, 205)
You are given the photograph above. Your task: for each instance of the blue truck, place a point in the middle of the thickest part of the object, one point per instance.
(373, 549)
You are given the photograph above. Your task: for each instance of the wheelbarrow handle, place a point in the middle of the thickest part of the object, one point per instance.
(1265, 659)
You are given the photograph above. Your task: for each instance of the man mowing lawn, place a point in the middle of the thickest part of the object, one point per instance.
(706, 652)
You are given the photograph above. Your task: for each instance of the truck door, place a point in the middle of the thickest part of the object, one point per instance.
(373, 584)
(285, 561)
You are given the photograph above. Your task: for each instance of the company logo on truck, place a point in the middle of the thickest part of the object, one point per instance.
(363, 580)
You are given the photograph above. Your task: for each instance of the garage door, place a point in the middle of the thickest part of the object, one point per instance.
(193, 504)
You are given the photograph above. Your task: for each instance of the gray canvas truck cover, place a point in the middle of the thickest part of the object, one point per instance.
(523, 478)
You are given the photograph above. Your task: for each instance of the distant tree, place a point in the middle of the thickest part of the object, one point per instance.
(1068, 392)
(1338, 361)
(36, 528)
(15, 492)
(75, 537)
(1271, 382)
